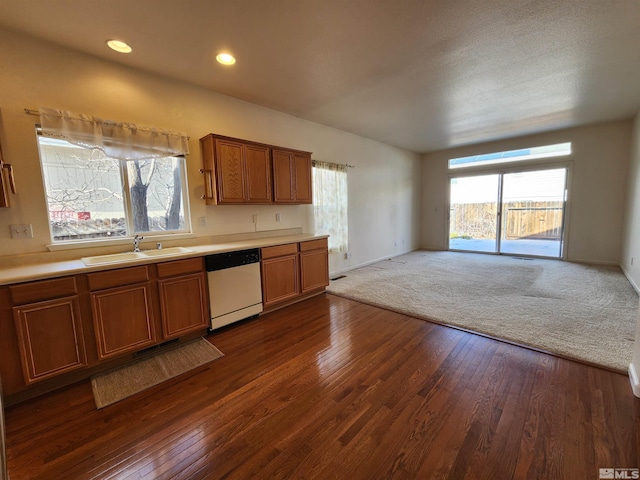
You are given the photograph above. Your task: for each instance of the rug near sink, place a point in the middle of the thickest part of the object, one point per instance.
(122, 382)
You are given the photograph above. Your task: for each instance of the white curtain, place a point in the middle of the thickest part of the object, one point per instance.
(120, 140)
(330, 202)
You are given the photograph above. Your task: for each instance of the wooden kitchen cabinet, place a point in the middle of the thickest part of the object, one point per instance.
(291, 176)
(58, 331)
(183, 297)
(293, 271)
(280, 274)
(314, 265)
(48, 328)
(258, 162)
(7, 182)
(236, 171)
(123, 317)
(243, 172)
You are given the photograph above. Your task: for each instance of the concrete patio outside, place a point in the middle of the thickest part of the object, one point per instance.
(522, 246)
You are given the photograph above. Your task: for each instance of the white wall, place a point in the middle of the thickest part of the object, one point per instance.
(631, 242)
(598, 184)
(630, 260)
(383, 188)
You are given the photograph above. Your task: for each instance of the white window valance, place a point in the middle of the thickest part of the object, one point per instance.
(120, 140)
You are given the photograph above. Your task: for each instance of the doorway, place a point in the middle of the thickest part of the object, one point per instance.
(515, 213)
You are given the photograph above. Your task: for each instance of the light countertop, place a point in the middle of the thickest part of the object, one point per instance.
(39, 271)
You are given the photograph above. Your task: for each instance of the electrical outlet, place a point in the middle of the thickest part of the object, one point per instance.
(347, 256)
(277, 217)
(21, 231)
(203, 221)
(631, 260)
(255, 218)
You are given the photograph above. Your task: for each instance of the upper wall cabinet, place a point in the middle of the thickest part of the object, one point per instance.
(291, 176)
(243, 172)
(235, 171)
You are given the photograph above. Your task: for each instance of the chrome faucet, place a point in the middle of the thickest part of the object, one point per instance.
(136, 243)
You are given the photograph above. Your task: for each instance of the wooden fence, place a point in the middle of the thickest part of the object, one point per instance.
(76, 229)
(528, 219)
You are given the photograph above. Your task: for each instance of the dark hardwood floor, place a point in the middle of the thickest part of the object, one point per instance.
(334, 389)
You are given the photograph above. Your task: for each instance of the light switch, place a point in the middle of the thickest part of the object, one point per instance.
(21, 231)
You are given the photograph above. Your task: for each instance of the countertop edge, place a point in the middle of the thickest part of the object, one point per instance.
(43, 271)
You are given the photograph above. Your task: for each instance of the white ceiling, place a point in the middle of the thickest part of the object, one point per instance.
(422, 75)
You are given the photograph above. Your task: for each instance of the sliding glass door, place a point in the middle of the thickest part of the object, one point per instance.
(473, 214)
(520, 213)
(533, 212)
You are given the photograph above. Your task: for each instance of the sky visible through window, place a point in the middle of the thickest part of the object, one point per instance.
(523, 154)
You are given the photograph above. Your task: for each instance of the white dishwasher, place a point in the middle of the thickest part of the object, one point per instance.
(235, 288)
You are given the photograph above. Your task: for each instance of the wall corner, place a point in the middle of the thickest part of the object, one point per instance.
(634, 379)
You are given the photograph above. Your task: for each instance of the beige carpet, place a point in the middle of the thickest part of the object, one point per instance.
(577, 311)
(115, 385)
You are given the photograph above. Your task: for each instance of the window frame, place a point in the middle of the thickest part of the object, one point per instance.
(502, 158)
(187, 232)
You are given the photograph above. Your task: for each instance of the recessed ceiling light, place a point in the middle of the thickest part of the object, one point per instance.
(225, 58)
(119, 46)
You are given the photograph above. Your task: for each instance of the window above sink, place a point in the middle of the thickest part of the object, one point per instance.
(114, 185)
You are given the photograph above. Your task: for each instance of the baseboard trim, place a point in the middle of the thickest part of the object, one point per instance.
(369, 262)
(626, 274)
(634, 379)
(592, 262)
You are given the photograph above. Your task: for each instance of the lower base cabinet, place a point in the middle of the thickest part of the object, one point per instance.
(47, 324)
(123, 317)
(54, 332)
(314, 265)
(292, 270)
(280, 276)
(57, 331)
(182, 286)
(50, 338)
(123, 320)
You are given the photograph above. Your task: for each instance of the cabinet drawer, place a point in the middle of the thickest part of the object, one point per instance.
(314, 245)
(43, 290)
(279, 250)
(117, 278)
(180, 267)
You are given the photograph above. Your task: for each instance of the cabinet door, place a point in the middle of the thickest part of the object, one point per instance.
(50, 338)
(314, 270)
(283, 191)
(258, 174)
(303, 190)
(279, 279)
(123, 319)
(230, 174)
(183, 302)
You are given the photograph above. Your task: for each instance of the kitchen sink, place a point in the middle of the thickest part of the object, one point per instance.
(166, 251)
(129, 256)
(112, 258)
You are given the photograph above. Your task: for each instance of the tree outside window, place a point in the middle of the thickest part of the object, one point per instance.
(90, 195)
